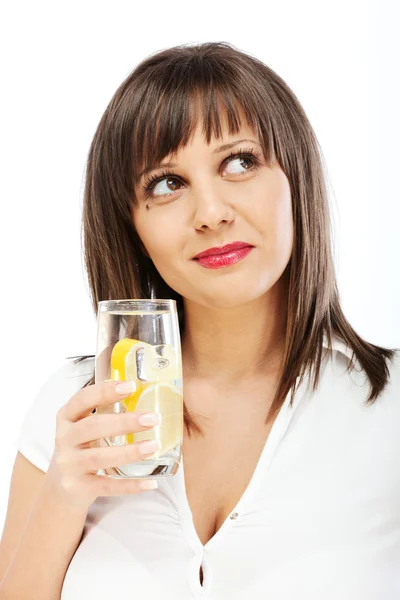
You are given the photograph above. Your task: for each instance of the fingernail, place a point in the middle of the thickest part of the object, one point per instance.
(149, 446)
(150, 419)
(126, 387)
(148, 484)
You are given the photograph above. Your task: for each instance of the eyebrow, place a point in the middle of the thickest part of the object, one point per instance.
(215, 151)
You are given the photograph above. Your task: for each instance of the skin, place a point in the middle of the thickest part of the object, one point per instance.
(235, 316)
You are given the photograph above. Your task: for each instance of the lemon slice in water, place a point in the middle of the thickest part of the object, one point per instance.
(123, 368)
(166, 399)
(151, 395)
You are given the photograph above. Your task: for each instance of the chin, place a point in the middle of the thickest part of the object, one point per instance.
(230, 298)
(225, 293)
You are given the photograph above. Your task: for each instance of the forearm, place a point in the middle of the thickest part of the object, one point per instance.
(48, 543)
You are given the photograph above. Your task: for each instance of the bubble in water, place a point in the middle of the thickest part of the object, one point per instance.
(161, 363)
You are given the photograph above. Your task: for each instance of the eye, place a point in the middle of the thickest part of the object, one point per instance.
(172, 179)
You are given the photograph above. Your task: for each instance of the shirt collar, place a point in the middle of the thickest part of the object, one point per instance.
(339, 346)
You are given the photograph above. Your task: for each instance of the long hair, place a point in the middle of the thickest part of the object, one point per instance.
(153, 113)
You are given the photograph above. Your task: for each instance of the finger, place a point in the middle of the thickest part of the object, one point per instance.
(99, 426)
(99, 394)
(93, 459)
(109, 486)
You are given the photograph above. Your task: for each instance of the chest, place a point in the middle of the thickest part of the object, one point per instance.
(218, 469)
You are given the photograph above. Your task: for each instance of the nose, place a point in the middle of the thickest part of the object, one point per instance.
(211, 210)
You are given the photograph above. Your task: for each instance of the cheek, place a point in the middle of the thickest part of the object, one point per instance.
(157, 234)
(284, 228)
(163, 242)
(274, 220)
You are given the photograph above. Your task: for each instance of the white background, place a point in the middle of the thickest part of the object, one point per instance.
(62, 62)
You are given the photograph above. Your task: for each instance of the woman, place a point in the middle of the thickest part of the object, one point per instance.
(289, 485)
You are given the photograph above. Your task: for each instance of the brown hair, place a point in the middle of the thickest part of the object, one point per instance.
(152, 114)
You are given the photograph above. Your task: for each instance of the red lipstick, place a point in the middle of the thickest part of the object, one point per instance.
(223, 256)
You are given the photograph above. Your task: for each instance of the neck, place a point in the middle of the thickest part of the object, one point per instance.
(228, 347)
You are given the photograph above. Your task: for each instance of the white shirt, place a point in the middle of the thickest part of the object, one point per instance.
(319, 520)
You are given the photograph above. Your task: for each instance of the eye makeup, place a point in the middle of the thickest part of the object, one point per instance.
(153, 180)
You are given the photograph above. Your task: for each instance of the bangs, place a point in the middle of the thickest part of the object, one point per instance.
(166, 125)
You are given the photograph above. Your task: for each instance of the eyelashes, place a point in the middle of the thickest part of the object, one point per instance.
(153, 180)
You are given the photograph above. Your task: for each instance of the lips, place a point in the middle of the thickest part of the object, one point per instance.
(218, 250)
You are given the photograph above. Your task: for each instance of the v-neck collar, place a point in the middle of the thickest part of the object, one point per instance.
(275, 436)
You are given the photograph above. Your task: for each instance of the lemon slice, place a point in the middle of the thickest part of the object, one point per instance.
(166, 399)
(123, 368)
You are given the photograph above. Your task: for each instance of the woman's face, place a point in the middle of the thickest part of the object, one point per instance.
(211, 201)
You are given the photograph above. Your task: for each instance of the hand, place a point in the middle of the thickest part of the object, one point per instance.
(75, 462)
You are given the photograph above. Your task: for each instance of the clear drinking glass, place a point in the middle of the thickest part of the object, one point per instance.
(139, 340)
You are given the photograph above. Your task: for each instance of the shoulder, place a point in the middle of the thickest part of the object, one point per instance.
(388, 400)
(65, 381)
(393, 386)
(38, 428)
(345, 377)
(76, 367)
